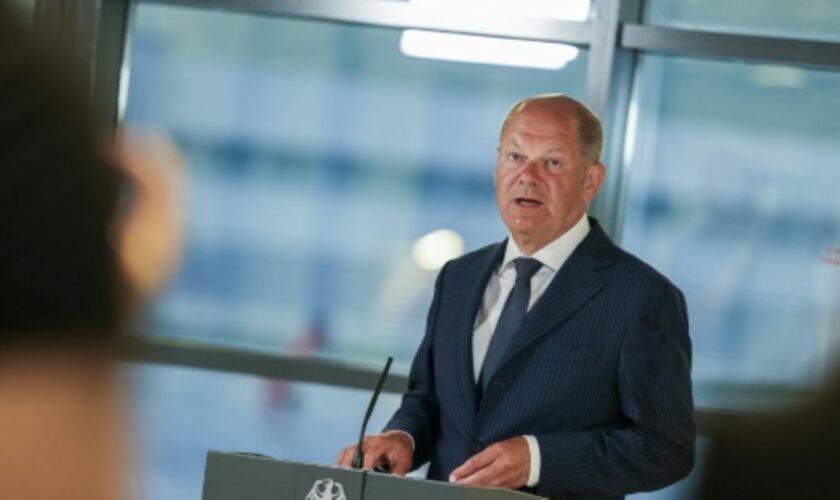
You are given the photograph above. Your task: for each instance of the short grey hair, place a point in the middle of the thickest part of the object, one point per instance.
(590, 132)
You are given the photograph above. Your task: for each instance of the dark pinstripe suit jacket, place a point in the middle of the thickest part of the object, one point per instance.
(599, 373)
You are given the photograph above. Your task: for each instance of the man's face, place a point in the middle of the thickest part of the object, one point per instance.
(543, 184)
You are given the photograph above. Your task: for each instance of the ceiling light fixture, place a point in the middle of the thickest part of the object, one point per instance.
(493, 50)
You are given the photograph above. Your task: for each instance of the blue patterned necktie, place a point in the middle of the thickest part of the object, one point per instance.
(516, 306)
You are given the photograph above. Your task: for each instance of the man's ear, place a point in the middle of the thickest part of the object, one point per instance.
(595, 174)
(148, 233)
(496, 166)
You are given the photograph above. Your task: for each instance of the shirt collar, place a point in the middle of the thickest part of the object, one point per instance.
(555, 254)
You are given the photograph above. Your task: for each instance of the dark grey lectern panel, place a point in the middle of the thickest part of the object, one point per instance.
(245, 476)
(231, 476)
(386, 486)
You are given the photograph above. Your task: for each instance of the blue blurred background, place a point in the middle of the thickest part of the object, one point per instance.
(319, 154)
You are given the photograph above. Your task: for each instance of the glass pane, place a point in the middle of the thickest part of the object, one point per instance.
(182, 413)
(811, 19)
(318, 155)
(733, 194)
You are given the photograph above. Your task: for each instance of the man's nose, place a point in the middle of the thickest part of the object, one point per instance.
(529, 172)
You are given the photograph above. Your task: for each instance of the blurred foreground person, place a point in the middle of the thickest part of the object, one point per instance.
(85, 236)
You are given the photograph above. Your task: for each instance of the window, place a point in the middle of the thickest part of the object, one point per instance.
(318, 155)
(732, 194)
(813, 19)
(182, 413)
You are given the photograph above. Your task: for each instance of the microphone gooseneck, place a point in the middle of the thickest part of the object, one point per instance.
(359, 457)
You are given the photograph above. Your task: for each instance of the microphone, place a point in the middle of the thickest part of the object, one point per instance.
(359, 457)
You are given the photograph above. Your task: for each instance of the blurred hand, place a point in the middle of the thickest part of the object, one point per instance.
(149, 234)
(392, 449)
(505, 464)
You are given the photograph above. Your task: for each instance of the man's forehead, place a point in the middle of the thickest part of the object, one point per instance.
(549, 112)
(528, 126)
(543, 117)
(518, 139)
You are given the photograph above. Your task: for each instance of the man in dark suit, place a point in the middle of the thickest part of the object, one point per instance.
(553, 361)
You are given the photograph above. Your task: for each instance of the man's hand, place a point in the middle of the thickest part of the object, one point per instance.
(391, 449)
(505, 464)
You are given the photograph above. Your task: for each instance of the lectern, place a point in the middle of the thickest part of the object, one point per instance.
(246, 476)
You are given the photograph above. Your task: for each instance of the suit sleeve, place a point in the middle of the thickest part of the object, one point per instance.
(655, 444)
(419, 412)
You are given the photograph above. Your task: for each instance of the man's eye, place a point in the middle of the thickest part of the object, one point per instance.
(514, 157)
(553, 163)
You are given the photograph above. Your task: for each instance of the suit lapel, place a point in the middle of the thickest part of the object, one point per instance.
(575, 283)
(472, 297)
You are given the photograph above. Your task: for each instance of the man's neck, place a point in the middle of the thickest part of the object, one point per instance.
(531, 246)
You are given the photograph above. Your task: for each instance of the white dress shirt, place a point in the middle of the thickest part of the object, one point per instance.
(552, 257)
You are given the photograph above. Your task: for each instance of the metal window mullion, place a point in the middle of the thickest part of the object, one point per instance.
(91, 33)
(47, 20)
(609, 82)
(692, 43)
(199, 355)
(111, 43)
(68, 27)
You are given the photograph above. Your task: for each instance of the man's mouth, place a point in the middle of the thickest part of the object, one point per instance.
(527, 202)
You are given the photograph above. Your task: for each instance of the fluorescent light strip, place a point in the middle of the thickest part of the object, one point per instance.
(486, 50)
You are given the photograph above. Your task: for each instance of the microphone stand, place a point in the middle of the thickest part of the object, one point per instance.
(359, 457)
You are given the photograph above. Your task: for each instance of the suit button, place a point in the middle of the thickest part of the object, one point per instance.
(475, 447)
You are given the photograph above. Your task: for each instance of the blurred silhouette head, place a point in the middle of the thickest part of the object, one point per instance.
(85, 231)
(58, 202)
